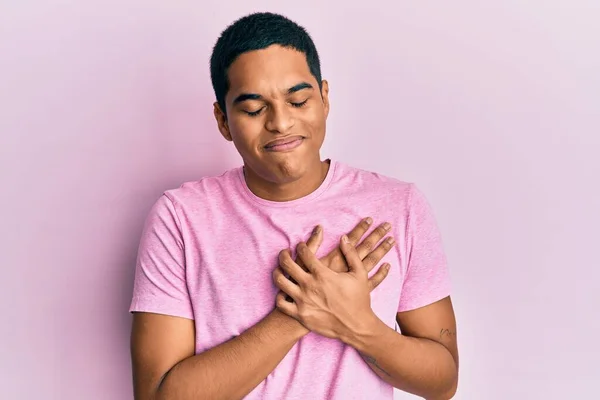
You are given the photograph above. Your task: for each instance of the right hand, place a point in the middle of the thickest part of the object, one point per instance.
(368, 250)
(371, 250)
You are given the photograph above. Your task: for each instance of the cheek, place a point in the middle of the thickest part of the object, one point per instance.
(315, 124)
(245, 131)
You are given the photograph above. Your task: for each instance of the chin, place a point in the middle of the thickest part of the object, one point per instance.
(286, 170)
(281, 168)
(289, 171)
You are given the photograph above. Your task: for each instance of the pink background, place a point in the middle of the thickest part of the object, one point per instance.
(493, 108)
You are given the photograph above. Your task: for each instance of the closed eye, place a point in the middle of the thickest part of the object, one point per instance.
(257, 112)
(254, 113)
(298, 105)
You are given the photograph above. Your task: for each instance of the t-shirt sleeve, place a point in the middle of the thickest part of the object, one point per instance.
(427, 278)
(160, 279)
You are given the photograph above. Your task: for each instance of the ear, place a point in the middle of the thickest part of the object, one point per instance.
(325, 96)
(221, 119)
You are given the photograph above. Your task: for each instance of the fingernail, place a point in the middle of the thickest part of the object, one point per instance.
(387, 226)
(391, 240)
(369, 220)
(387, 267)
(317, 230)
(345, 239)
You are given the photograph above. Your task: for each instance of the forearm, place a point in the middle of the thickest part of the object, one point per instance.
(419, 366)
(232, 369)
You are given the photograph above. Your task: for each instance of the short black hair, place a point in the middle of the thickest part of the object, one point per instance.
(255, 32)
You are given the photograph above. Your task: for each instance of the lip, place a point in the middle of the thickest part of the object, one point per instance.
(284, 144)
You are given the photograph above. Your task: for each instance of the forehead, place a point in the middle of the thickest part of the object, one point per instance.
(267, 70)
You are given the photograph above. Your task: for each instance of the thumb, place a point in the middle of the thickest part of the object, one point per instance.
(354, 262)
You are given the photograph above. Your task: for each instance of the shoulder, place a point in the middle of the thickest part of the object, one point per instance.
(376, 184)
(206, 189)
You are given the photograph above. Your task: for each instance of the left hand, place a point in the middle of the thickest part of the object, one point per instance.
(332, 304)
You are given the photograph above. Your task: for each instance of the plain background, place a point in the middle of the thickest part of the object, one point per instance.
(492, 108)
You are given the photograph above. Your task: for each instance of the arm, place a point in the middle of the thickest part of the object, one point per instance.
(163, 335)
(423, 360)
(165, 367)
(164, 363)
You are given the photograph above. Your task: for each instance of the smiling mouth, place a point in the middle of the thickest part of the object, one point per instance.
(285, 144)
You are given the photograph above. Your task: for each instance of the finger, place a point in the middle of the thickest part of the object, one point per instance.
(359, 230)
(379, 276)
(311, 262)
(287, 264)
(313, 243)
(367, 245)
(373, 258)
(285, 285)
(315, 239)
(285, 306)
(354, 262)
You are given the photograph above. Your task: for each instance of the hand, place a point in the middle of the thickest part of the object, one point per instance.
(367, 250)
(333, 304)
(313, 243)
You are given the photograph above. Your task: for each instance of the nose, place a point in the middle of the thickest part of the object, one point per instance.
(279, 119)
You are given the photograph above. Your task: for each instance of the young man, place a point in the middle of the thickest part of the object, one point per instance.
(230, 302)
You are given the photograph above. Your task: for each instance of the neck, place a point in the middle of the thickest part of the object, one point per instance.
(294, 190)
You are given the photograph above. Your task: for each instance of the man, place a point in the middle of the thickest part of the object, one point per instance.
(230, 302)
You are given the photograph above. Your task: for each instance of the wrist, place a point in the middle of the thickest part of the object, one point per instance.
(290, 325)
(365, 333)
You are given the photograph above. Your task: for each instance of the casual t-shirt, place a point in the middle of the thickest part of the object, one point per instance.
(209, 247)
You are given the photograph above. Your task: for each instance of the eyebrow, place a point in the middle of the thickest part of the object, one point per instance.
(253, 96)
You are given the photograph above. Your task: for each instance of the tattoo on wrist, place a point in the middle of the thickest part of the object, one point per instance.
(373, 361)
(447, 333)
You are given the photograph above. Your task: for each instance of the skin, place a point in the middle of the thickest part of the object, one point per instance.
(423, 360)
(272, 96)
(270, 78)
(163, 347)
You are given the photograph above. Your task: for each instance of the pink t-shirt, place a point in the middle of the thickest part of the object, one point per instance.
(209, 247)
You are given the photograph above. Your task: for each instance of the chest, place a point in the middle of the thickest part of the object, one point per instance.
(229, 268)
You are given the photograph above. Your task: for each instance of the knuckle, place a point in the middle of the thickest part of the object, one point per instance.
(363, 226)
(283, 264)
(370, 259)
(358, 231)
(280, 301)
(302, 247)
(313, 289)
(380, 231)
